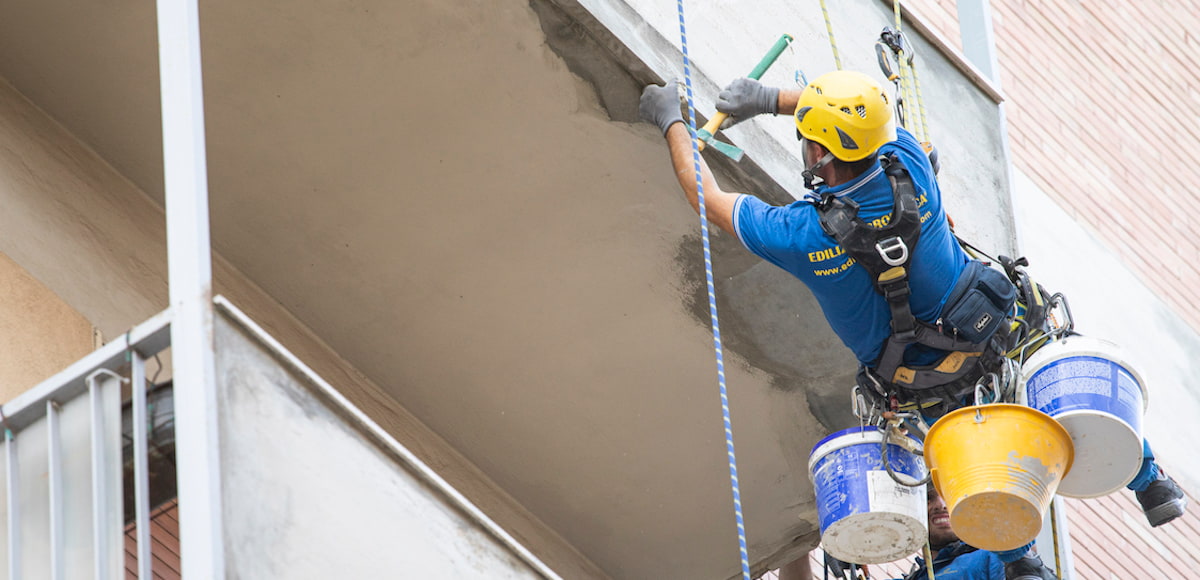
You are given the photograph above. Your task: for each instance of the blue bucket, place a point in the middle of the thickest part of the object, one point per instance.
(866, 516)
(1087, 386)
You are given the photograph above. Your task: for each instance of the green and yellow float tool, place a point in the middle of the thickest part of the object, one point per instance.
(706, 133)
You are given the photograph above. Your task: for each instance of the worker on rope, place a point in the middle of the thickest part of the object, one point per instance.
(952, 560)
(924, 320)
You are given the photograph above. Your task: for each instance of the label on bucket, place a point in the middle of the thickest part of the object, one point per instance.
(888, 496)
(1086, 383)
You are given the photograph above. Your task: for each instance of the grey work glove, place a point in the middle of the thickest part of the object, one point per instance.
(745, 98)
(660, 105)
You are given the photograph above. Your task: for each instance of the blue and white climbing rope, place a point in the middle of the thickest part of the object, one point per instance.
(712, 297)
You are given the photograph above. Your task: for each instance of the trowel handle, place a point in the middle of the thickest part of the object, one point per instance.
(713, 124)
(770, 57)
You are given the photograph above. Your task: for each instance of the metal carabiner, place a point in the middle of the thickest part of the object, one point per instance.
(889, 246)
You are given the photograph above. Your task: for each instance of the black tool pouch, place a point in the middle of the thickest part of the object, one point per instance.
(980, 302)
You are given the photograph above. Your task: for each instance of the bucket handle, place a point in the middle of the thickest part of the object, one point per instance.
(981, 389)
(883, 451)
(858, 406)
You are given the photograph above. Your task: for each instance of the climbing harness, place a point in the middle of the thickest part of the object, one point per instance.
(1040, 318)
(974, 314)
(712, 297)
(992, 322)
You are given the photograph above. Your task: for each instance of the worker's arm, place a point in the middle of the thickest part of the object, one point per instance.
(660, 105)
(788, 98)
(718, 204)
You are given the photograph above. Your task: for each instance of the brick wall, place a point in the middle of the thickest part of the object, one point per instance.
(1110, 540)
(1104, 114)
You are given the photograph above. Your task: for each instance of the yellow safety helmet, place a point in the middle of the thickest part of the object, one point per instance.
(847, 112)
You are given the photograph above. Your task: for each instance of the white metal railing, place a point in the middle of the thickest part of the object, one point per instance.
(92, 381)
(67, 524)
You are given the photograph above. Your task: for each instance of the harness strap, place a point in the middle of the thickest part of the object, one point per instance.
(885, 252)
(876, 247)
(884, 249)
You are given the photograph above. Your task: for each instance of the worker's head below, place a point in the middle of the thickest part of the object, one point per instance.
(940, 532)
(842, 118)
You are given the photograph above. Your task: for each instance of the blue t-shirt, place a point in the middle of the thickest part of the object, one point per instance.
(977, 565)
(791, 237)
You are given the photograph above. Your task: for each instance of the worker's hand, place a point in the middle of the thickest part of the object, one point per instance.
(745, 98)
(661, 105)
(934, 158)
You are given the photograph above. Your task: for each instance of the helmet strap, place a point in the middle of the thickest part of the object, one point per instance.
(810, 173)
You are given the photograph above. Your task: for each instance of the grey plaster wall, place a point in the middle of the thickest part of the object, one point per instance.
(309, 495)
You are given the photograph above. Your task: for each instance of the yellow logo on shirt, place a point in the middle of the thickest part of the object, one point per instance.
(827, 254)
(838, 270)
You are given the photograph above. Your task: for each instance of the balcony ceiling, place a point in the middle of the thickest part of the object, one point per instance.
(455, 207)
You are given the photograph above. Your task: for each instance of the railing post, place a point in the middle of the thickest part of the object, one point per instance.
(13, 497)
(54, 460)
(190, 277)
(102, 461)
(141, 468)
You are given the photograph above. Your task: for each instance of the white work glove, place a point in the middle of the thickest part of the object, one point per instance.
(745, 98)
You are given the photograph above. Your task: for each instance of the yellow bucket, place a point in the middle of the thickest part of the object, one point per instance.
(997, 467)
